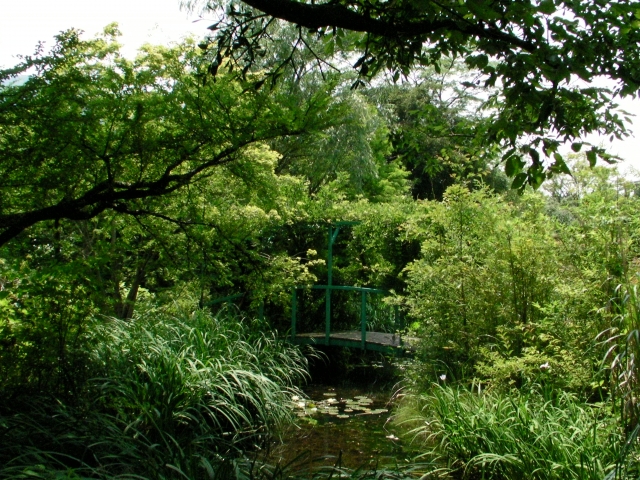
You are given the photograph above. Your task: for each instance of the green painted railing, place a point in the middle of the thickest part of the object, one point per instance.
(332, 234)
(228, 299)
(328, 288)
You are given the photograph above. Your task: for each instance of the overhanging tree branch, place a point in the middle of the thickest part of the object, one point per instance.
(332, 14)
(531, 53)
(106, 195)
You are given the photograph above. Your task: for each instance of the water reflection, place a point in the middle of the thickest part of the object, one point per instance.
(346, 426)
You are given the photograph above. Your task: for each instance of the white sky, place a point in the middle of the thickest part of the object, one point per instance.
(25, 22)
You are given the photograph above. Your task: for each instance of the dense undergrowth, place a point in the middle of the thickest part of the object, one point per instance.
(527, 311)
(178, 395)
(531, 300)
(475, 434)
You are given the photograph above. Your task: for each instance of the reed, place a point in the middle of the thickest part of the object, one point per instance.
(180, 395)
(514, 435)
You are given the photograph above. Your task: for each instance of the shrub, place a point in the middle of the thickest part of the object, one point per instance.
(505, 436)
(180, 395)
(539, 354)
(481, 266)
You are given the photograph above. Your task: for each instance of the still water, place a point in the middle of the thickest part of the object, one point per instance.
(341, 426)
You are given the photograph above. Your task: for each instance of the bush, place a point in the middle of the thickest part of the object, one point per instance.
(180, 394)
(539, 354)
(45, 322)
(506, 436)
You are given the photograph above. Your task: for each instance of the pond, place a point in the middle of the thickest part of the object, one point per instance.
(341, 426)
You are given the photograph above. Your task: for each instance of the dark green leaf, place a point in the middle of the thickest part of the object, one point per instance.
(535, 156)
(547, 6)
(519, 181)
(560, 165)
(513, 165)
(536, 177)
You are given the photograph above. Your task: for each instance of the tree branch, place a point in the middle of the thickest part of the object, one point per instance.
(106, 194)
(315, 16)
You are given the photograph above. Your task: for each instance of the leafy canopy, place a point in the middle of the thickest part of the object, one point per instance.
(539, 55)
(90, 131)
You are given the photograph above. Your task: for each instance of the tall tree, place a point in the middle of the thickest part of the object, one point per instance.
(90, 131)
(433, 121)
(532, 50)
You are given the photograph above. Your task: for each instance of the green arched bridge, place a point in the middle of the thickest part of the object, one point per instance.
(361, 338)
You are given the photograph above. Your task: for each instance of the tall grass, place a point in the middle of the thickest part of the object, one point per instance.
(623, 354)
(179, 396)
(508, 436)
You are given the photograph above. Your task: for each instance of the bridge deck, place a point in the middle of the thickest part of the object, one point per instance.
(377, 341)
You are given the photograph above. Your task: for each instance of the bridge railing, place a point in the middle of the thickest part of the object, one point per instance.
(328, 289)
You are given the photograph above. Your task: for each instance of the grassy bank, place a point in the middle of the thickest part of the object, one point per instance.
(178, 395)
(506, 435)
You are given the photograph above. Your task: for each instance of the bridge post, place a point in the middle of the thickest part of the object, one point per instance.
(327, 319)
(294, 313)
(363, 318)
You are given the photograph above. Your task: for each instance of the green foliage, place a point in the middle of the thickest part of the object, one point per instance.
(623, 340)
(598, 209)
(530, 51)
(525, 297)
(165, 176)
(433, 122)
(355, 146)
(174, 366)
(502, 289)
(378, 245)
(91, 131)
(528, 356)
(128, 185)
(45, 329)
(506, 436)
(179, 395)
(481, 266)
